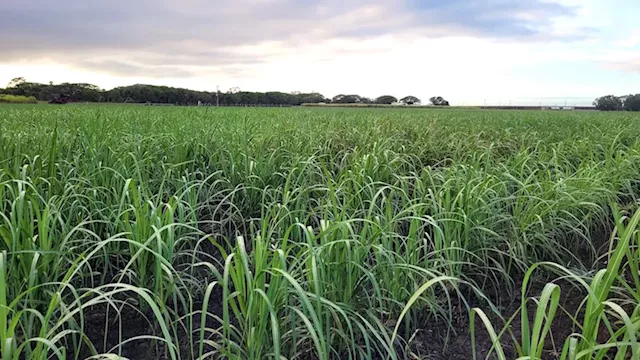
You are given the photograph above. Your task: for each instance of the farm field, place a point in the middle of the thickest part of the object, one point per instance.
(306, 233)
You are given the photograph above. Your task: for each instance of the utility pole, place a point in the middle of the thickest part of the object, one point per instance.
(217, 95)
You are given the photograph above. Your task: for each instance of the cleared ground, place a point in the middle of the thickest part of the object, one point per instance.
(309, 233)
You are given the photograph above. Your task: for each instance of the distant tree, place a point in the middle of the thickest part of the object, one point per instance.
(608, 103)
(366, 100)
(16, 81)
(438, 101)
(234, 98)
(311, 98)
(410, 100)
(250, 98)
(279, 98)
(141, 93)
(84, 92)
(58, 99)
(346, 99)
(386, 99)
(631, 102)
(352, 99)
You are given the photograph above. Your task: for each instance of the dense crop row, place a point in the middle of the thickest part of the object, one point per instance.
(309, 233)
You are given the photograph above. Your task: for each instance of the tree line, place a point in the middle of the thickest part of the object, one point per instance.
(139, 93)
(618, 103)
(82, 92)
(387, 100)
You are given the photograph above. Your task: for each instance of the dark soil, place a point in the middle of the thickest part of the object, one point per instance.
(432, 342)
(437, 339)
(127, 324)
(131, 323)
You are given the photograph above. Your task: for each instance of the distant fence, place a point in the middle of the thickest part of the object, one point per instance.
(214, 105)
(561, 108)
(524, 107)
(385, 106)
(241, 105)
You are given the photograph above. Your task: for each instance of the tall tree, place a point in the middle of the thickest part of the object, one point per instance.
(386, 99)
(608, 103)
(410, 100)
(311, 98)
(16, 81)
(632, 102)
(346, 99)
(438, 101)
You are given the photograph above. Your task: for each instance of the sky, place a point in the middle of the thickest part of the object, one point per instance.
(468, 51)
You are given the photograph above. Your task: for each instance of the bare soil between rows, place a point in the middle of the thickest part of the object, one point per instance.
(435, 339)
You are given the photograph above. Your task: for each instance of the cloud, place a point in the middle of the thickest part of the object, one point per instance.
(496, 18)
(124, 36)
(121, 68)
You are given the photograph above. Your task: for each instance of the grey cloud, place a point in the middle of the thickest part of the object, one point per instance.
(501, 18)
(205, 32)
(123, 68)
(130, 69)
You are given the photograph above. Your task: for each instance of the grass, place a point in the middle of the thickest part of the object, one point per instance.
(307, 233)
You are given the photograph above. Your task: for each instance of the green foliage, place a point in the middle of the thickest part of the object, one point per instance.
(140, 93)
(608, 103)
(615, 103)
(346, 99)
(17, 99)
(438, 101)
(305, 233)
(410, 100)
(46, 92)
(632, 102)
(386, 99)
(16, 81)
(604, 309)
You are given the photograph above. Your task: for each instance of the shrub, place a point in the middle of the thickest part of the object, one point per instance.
(17, 99)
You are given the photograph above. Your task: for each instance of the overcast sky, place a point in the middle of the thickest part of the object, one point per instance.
(469, 51)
